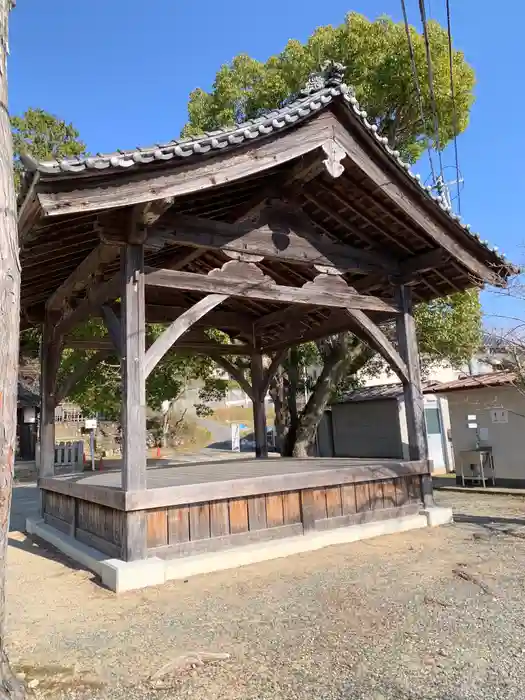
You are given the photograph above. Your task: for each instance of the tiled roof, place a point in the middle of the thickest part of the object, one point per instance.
(377, 392)
(322, 89)
(476, 381)
(392, 391)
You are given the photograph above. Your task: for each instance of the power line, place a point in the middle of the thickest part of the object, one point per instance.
(454, 113)
(423, 14)
(416, 83)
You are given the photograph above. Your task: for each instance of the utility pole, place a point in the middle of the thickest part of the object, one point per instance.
(10, 687)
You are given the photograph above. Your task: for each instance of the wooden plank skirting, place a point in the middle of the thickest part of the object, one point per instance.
(209, 526)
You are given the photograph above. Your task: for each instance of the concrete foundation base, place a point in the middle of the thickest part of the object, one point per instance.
(121, 576)
(438, 516)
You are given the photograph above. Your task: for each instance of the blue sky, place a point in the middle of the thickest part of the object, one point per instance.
(121, 71)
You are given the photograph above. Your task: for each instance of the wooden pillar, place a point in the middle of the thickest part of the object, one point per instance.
(50, 353)
(259, 407)
(413, 391)
(133, 346)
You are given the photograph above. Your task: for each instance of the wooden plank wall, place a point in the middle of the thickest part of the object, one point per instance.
(93, 524)
(203, 526)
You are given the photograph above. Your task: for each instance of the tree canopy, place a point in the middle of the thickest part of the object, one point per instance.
(44, 137)
(378, 67)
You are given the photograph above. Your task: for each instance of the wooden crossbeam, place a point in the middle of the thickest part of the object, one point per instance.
(204, 347)
(262, 290)
(80, 277)
(410, 267)
(170, 336)
(279, 232)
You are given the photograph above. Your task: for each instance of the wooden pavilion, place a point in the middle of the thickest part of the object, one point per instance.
(290, 227)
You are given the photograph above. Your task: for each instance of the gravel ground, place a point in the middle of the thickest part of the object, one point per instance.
(426, 614)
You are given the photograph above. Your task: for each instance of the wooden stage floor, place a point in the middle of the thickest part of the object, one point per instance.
(172, 475)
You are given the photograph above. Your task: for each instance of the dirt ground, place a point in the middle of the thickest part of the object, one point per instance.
(421, 615)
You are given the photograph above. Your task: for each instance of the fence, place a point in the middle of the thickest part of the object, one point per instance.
(68, 454)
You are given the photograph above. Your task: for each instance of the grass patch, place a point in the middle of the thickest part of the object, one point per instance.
(240, 414)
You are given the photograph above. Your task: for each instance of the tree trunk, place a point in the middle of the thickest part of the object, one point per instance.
(344, 358)
(282, 416)
(10, 687)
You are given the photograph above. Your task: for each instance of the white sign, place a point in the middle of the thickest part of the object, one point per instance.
(499, 415)
(471, 417)
(29, 414)
(472, 425)
(236, 437)
(90, 424)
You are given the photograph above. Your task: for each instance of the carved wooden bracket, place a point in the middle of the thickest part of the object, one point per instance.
(334, 155)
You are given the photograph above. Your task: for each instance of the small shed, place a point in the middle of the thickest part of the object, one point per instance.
(488, 411)
(372, 421)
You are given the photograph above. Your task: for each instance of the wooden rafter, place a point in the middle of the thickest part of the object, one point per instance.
(415, 211)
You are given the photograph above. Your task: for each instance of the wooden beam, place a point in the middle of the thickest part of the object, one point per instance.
(259, 407)
(113, 327)
(170, 336)
(423, 262)
(137, 185)
(279, 232)
(80, 277)
(262, 289)
(90, 344)
(51, 352)
(412, 388)
(416, 210)
(376, 339)
(134, 382)
(72, 379)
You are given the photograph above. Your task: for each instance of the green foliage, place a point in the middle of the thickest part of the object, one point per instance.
(100, 391)
(450, 328)
(44, 137)
(378, 67)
